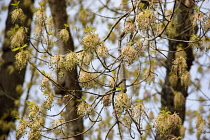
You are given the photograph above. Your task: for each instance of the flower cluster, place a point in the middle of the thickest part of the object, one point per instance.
(144, 18)
(179, 66)
(166, 123)
(102, 51)
(129, 54)
(122, 102)
(22, 128)
(87, 79)
(40, 16)
(84, 109)
(179, 100)
(18, 14)
(106, 100)
(137, 111)
(64, 35)
(129, 27)
(18, 37)
(70, 60)
(90, 41)
(48, 102)
(21, 59)
(84, 58)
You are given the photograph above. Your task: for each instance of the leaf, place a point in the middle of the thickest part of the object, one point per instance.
(30, 102)
(66, 25)
(41, 3)
(24, 46)
(82, 99)
(15, 49)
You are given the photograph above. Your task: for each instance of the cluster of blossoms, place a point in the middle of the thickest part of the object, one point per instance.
(64, 35)
(102, 51)
(87, 79)
(70, 60)
(18, 37)
(129, 27)
(144, 18)
(138, 111)
(179, 66)
(90, 41)
(48, 102)
(44, 83)
(40, 16)
(18, 14)
(21, 59)
(84, 109)
(84, 58)
(179, 100)
(166, 123)
(22, 128)
(129, 54)
(122, 102)
(106, 100)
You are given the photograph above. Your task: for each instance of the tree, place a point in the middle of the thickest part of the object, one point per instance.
(11, 91)
(116, 78)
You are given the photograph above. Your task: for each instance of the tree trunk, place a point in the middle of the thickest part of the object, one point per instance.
(184, 28)
(70, 79)
(9, 80)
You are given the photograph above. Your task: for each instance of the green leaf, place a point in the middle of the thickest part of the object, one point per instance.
(41, 3)
(16, 49)
(66, 25)
(82, 99)
(30, 102)
(24, 46)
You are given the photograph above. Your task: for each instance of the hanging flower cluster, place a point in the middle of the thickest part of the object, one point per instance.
(129, 54)
(144, 19)
(87, 80)
(18, 14)
(165, 123)
(102, 51)
(84, 109)
(122, 102)
(90, 41)
(21, 59)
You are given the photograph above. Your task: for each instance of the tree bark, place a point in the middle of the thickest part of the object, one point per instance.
(10, 80)
(70, 79)
(184, 28)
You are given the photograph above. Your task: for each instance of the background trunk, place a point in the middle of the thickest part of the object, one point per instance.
(184, 28)
(70, 79)
(10, 80)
